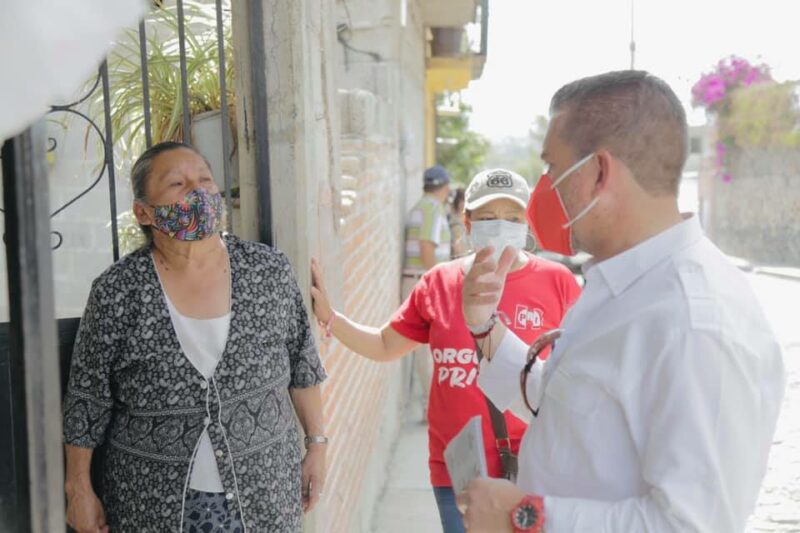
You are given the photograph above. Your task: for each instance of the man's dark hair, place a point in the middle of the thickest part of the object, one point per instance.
(458, 197)
(634, 115)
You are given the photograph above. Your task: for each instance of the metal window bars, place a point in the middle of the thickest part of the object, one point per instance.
(31, 497)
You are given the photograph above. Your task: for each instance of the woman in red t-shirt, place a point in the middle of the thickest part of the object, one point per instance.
(537, 295)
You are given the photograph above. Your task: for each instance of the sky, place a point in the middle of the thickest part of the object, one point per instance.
(536, 46)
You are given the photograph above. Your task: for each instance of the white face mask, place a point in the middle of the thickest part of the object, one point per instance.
(498, 234)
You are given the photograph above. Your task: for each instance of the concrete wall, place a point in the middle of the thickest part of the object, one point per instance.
(755, 215)
(397, 79)
(346, 134)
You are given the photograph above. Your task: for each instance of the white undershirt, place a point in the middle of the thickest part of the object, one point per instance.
(202, 341)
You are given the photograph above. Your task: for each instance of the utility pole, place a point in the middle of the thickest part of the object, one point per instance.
(633, 41)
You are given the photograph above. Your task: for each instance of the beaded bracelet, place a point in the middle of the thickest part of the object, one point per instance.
(327, 327)
(484, 329)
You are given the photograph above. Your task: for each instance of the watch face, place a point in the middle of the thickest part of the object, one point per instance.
(525, 516)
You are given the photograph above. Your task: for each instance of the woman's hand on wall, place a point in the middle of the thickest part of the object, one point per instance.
(319, 294)
(381, 344)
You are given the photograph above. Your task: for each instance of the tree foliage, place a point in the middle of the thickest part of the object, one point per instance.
(521, 154)
(460, 150)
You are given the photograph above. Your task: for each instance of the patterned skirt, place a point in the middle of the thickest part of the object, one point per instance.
(207, 512)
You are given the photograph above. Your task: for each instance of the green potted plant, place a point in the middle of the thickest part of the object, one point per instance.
(166, 104)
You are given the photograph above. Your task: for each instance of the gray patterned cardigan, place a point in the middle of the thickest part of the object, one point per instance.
(132, 387)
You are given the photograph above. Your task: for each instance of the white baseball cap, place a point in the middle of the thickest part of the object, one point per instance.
(493, 184)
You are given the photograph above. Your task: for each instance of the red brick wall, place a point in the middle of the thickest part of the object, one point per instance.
(355, 394)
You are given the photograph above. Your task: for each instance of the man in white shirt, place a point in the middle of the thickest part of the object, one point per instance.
(657, 406)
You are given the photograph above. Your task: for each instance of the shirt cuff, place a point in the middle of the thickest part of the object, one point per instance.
(499, 378)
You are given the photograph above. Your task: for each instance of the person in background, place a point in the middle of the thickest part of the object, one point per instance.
(427, 243)
(537, 296)
(460, 245)
(192, 358)
(658, 405)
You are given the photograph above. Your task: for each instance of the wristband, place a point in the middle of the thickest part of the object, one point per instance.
(327, 327)
(484, 329)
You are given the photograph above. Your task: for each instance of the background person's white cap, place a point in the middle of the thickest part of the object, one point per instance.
(493, 184)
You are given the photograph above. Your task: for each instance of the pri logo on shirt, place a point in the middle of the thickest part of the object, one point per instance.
(526, 318)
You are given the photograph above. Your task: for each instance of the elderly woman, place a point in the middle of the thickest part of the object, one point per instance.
(192, 357)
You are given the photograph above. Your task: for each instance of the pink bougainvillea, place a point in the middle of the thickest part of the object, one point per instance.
(712, 90)
(722, 149)
(709, 90)
(730, 73)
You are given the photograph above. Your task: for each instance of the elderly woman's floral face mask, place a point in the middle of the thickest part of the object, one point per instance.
(197, 216)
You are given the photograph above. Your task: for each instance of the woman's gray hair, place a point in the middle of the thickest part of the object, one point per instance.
(633, 114)
(141, 171)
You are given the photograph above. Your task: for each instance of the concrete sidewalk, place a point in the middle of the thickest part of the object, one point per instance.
(408, 504)
(789, 273)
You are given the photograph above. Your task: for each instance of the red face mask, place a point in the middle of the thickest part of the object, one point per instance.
(547, 216)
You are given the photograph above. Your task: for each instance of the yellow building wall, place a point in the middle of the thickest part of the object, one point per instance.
(443, 74)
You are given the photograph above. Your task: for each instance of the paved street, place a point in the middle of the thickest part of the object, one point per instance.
(408, 504)
(779, 504)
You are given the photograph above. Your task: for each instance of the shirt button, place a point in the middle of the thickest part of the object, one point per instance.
(229, 496)
(203, 385)
(219, 453)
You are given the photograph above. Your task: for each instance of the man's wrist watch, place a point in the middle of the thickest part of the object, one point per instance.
(315, 439)
(528, 515)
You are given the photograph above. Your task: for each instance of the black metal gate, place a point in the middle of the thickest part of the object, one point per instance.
(35, 348)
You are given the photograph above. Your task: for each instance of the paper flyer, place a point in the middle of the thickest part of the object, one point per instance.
(465, 456)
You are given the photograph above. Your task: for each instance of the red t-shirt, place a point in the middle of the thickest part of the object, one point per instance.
(535, 299)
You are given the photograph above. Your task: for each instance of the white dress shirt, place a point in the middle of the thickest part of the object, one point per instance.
(659, 403)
